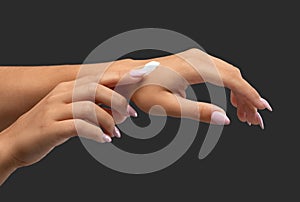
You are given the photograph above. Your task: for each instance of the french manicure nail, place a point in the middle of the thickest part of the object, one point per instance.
(261, 122)
(249, 123)
(219, 118)
(106, 138)
(266, 104)
(131, 111)
(117, 132)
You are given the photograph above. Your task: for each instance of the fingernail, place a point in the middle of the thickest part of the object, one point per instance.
(266, 104)
(131, 111)
(219, 118)
(117, 132)
(147, 69)
(261, 122)
(106, 138)
(249, 123)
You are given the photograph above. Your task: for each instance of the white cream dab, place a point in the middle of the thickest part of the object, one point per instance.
(150, 67)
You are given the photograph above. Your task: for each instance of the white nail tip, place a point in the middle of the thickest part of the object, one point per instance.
(219, 118)
(107, 138)
(117, 132)
(266, 104)
(261, 122)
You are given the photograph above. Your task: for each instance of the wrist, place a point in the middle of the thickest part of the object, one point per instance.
(7, 163)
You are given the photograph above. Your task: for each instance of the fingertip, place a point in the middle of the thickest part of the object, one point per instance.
(261, 122)
(266, 104)
(131, 111)
(116, 132)
(106, 138)
(219, 118)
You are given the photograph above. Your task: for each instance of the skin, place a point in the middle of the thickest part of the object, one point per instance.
(201, 68)
(40, 112)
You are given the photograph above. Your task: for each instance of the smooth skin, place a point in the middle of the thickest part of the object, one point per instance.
(196, 67)
(59, 116)
(37, 102)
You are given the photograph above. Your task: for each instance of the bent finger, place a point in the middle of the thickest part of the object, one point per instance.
(81, 128)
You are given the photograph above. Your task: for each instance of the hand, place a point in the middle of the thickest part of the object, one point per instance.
(166, 85)
(59, 116)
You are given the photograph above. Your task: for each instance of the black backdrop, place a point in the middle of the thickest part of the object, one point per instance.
(247, 164)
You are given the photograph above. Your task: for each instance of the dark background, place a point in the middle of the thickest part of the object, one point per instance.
(247, 164)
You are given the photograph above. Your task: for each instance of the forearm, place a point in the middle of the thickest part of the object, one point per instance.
(7, 165)
(22, 87)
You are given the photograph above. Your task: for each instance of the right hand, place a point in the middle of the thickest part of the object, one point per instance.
(60, 116)
(167, 84)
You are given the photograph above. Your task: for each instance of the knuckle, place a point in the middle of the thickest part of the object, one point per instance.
(91, 89)
(51, 98)
(194, 50)
(63, 86)
(235, 72)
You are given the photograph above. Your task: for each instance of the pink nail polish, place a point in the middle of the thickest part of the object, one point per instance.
(219, 118)
(107, 138)
(117, 132)
(131, 111)
(266, 104)
(261, 122)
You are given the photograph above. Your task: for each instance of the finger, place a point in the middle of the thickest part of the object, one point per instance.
(251, 115)
(112, 79)
(248, 93)
(90, 112)
(79, 127)
(177, 106)
(101, 94)
(237, 83)
(233, 99)
(260, 120)
(241, 113)
(118, 118)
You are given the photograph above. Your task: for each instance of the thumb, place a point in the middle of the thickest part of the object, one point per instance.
(205, 112)
(178, 106)
(111, 79)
